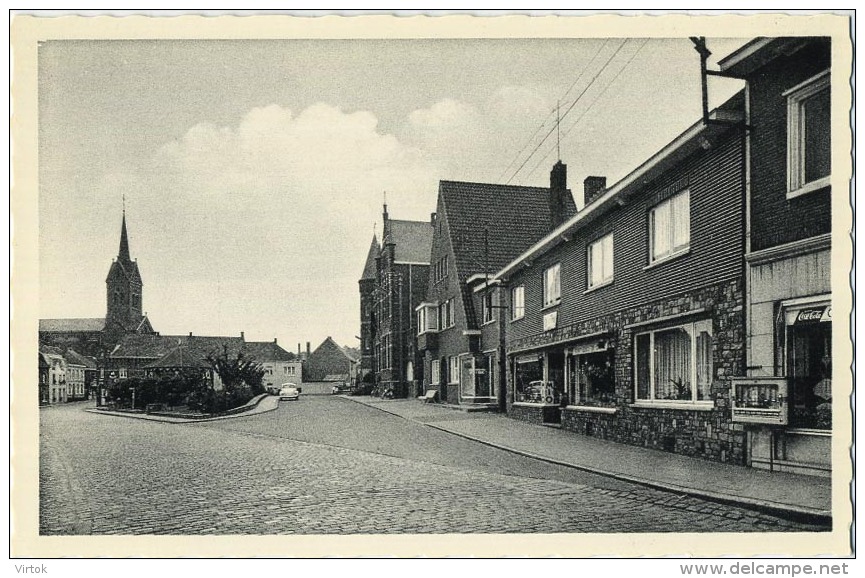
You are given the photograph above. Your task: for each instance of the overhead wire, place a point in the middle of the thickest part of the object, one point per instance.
(588, 86)
(549, 114)
(592, 104)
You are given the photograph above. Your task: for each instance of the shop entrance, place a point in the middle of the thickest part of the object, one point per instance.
(556, 384)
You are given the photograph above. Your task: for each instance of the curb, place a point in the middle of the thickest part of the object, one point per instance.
(185, 420)
(794, 513)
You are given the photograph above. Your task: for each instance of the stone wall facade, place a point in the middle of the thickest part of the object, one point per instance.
(704, 431)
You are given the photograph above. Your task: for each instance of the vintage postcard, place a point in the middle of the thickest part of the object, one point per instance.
(470, 286)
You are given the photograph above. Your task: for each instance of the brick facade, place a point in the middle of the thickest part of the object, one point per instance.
(775, 219)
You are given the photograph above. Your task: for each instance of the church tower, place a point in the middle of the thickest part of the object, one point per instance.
(124, 288)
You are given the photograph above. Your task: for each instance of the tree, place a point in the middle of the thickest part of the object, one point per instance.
(238, 372)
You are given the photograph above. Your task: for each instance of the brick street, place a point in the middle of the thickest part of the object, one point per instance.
(325, 465)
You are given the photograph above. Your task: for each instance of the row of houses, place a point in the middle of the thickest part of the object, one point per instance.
(685, 308)
(64, 375)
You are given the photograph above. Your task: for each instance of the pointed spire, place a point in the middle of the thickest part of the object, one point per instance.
(123, 254)
(369, 267)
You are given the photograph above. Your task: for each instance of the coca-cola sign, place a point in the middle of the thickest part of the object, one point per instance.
(814, 315)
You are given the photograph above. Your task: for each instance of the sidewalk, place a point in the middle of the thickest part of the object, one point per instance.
(775, 492)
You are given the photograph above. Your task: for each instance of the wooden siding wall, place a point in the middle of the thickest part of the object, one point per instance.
(715, 180)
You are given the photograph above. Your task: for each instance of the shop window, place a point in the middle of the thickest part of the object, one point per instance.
(592, 378)
(553, 285)
(809, 366)
(674, 364)
(528, 379)
(809, 135)
(518, 302)
(599, 260)
(670, 227)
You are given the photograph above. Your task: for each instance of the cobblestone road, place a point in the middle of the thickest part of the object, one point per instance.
(329, 466)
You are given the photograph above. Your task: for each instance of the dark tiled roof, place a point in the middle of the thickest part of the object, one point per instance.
(180, 357)
(72, 325)
(156, 346)
(329, 345)
(50, 350)
(264, 351)
(413, 240)
(75, 358)
(369, 266)
(515, 218)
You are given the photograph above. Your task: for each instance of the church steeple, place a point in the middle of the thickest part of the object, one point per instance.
(124, 287)
(123, 254)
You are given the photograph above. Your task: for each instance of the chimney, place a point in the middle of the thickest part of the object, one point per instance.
(558, 192)
(190, 333)
(242, 336)
(274, 341)
(593, 187)
(432, 219)
(307, 348)
(298, 349)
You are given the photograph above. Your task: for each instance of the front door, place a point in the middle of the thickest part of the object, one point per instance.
(556, 383)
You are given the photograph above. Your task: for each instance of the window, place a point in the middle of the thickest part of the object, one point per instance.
(446, 314)
(453, 370)
(440, 269)
(808, 136)
(591, 377)
(518, 302)
(435, 372)
(599, 260)
(553, 285)
(427, 318)
(675, 364)
(528, 379)
(488, 306)
(670, 227)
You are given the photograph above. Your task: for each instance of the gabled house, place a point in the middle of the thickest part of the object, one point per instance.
(478, 228)
(79, 374)
(52, 375)
(279, 365)
(626, 322)
(389, 301)
(788, 249)
(328, 363)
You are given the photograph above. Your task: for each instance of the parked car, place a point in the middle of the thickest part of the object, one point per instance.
(273, 389)
(289, 391)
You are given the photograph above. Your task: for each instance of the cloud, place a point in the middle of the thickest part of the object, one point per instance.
(476, 142)
(279, 207)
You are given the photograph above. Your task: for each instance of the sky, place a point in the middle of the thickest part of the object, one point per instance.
(253, 171)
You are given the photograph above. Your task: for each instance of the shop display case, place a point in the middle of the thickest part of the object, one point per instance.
(760, 400)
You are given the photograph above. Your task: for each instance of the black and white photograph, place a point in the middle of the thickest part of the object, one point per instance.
(459, 286)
